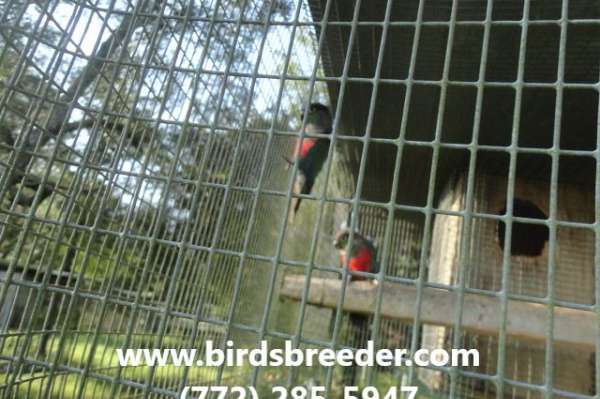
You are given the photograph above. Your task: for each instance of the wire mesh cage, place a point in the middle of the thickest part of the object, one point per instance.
(148, 197)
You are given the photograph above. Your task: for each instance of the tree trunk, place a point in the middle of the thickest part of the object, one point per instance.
(60, 113)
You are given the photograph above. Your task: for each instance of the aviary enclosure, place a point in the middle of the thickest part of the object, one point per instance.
(145, 190)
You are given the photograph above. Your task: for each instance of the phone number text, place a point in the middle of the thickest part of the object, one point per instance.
(299, 392)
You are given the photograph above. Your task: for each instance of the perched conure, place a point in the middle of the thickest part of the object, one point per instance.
(361, 257)
(362, 252)
(311, 152)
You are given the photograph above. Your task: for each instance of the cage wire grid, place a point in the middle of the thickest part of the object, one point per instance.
(145, 202)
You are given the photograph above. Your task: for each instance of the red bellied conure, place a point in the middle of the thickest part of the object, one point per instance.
(360, 257)
(362, 252)
(310, 152)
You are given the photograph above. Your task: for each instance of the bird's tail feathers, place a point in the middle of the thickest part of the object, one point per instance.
(294, 209)
(299, 188)
(288, 162)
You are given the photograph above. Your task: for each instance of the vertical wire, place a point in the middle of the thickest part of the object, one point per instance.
(256, 195)
(466, 233)
(93, 230)
(21, 147)
(281, 234)
(64, 169)
(339, 106)
(297, 335)
(507, 218)
(64, 305)
(185, 243)
(19, 67)
(365, 140)
(45, 281)
(432, 178)
(195, 199)
(238, 279)
(327, 173)
(420, 278)
(555, 154)
(597, 245)
(110, 278)
(438, 135)
(379, 294)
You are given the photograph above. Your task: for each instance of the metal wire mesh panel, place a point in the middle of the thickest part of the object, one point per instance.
(148, 197)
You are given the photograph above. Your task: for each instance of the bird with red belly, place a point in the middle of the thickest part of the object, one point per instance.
(360, 257)
(361, 253)
(310, 152)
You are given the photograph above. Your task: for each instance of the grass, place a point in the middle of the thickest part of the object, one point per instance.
(76, 353)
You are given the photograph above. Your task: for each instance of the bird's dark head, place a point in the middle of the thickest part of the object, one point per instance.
(342, 237)
(319, 116)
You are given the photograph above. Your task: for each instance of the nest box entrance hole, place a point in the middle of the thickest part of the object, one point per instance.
(528, 239)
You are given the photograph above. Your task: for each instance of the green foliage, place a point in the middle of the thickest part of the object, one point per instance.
(135, 173)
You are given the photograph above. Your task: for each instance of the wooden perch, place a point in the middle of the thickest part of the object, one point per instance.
(481, 314)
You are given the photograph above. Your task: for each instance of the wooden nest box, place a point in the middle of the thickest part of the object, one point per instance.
(528, 275)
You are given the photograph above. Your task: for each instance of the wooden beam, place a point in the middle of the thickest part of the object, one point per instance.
(481, 314)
